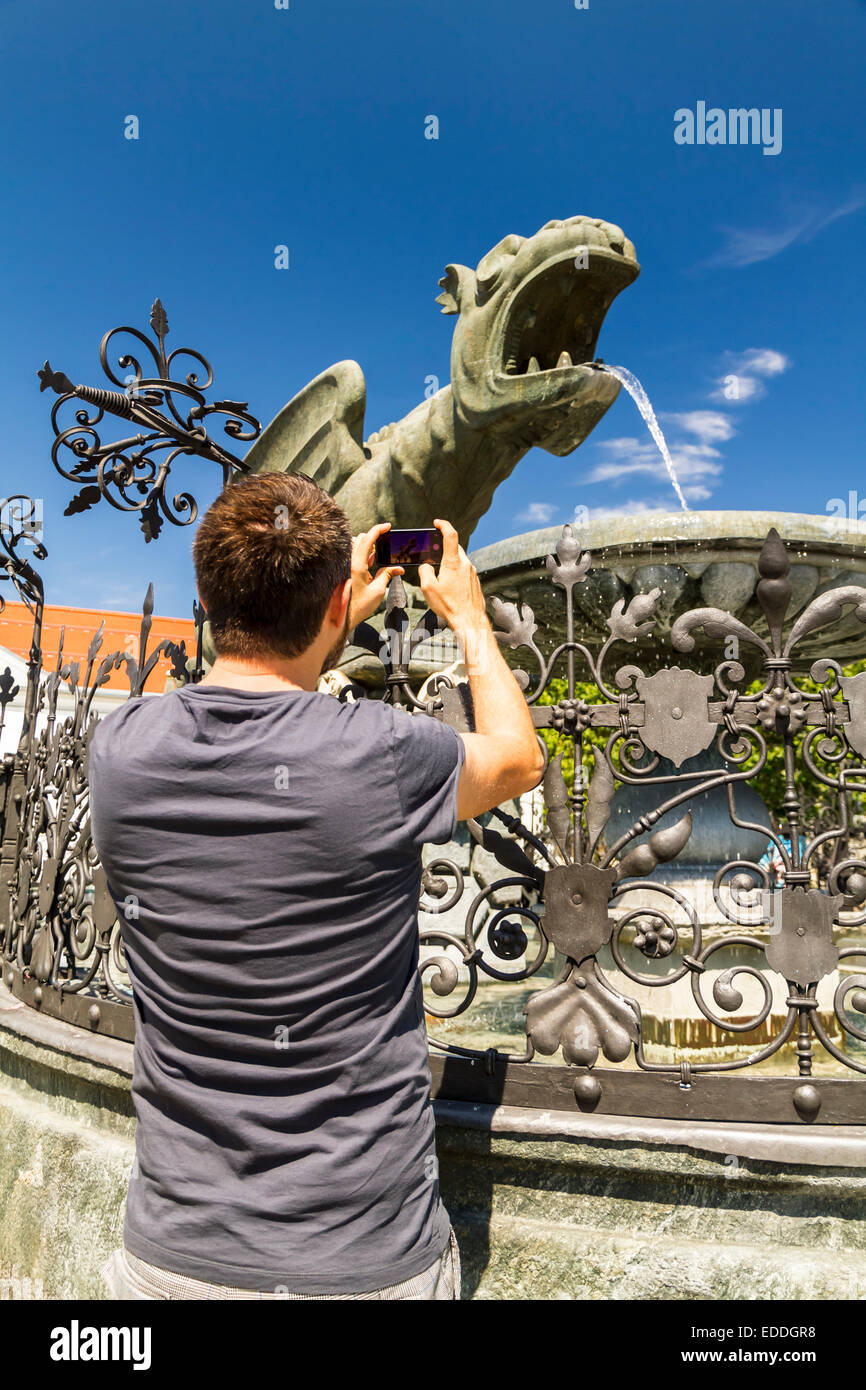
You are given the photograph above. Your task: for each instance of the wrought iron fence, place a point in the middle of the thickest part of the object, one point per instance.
(584, 888)
(573, 887)
(62, 948)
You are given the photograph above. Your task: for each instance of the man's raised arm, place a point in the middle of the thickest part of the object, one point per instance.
(503, 755)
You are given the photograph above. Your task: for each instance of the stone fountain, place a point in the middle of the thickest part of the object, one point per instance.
(528, 318)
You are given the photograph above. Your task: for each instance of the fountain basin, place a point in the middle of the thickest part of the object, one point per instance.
(697, 559)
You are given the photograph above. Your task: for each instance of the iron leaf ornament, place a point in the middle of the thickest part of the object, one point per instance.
(517, 626)
(570, 565)
(627, 624)
(583, 1015)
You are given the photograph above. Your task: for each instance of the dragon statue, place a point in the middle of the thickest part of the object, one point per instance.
(522, 376)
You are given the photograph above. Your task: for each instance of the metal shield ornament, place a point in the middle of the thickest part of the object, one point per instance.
(676, 713)
(801, 945)
(854, 691)
(576, 917)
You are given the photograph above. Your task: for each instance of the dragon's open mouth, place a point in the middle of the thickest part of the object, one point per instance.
(555, 319)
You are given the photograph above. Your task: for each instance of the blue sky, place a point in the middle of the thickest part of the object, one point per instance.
(305, 127)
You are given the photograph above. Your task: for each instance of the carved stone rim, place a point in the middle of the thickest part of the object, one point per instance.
(682, 533)
(842, 1146)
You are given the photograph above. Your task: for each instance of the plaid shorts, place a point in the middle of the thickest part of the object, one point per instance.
(129, 1278)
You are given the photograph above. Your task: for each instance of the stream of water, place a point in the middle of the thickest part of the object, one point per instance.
(642, 401)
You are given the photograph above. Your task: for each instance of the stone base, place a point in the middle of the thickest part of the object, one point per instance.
(557, 1206)
(66, 1150)
(512, 1258)
(545, 1204)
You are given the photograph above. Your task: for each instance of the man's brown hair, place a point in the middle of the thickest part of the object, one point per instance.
(268, 555)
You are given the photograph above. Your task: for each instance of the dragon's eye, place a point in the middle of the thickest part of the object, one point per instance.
(491, 266)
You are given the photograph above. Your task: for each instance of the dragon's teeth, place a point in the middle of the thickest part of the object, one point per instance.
(533, 366)
(564, 360)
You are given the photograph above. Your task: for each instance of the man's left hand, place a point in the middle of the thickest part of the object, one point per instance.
(367, 591)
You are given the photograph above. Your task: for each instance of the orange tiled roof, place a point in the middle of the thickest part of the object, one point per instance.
(79, 625)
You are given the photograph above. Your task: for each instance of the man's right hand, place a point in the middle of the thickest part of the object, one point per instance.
(455, 593)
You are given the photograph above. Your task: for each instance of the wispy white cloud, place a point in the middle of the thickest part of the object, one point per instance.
(542, 513)
(709, 426)
(748, 246)
(630, 507)
(699, 493)
(742, 380)
(695, 464)
(764, 361)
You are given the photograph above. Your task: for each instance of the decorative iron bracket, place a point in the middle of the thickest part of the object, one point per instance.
(131, 473)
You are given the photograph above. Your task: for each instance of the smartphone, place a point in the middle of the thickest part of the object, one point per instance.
(410, 548)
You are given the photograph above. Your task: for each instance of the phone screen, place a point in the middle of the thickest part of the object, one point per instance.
(422, 546)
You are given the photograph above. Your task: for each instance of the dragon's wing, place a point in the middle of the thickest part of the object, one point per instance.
(320, 432)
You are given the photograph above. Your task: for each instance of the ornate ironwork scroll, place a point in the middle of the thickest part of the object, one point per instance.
(171, 417)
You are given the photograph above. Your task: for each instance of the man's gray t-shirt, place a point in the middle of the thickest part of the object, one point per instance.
(264, 852)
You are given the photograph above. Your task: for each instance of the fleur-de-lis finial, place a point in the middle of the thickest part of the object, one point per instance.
(774, 586)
